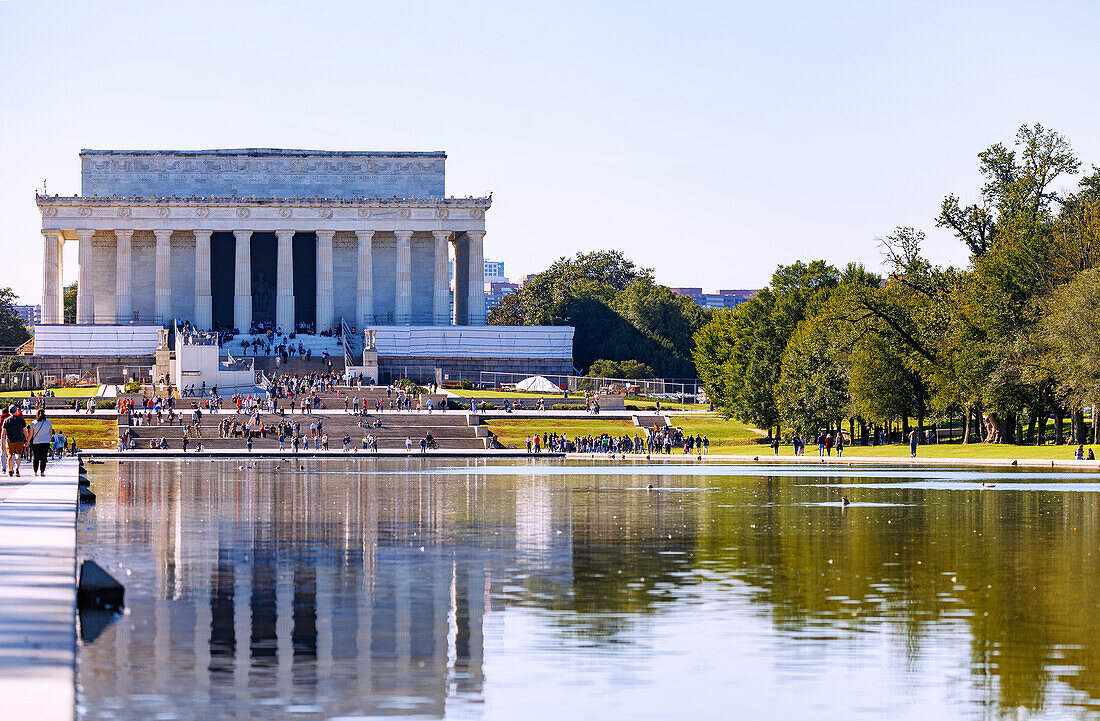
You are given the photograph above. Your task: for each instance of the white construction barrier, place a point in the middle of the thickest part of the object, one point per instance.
(95, 340)
(487, 341)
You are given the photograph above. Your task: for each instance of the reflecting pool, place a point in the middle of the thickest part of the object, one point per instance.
(355, 588)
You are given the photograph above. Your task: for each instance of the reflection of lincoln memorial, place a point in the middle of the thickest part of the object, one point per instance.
(271, 588)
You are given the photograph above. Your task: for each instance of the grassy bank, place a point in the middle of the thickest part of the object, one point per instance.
(729, 435)
(80, 392)
(943, 450)
(734, 438)
(640, 403)
(511, 432)
(89, 432)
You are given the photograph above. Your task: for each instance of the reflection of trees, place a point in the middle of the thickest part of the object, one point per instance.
(1018, 571)
(1026, 568)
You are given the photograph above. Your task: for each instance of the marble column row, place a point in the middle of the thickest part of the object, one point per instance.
(52, 293)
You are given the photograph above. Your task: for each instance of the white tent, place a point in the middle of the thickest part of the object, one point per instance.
(537, 384)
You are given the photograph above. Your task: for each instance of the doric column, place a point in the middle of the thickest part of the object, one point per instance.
(163, 290)
(325, 313)
(124, 299)
(364, 282)
(475, 303)
(284, 281)
(204, 313)
(441, 306)
(52, 307)
(85, 289)
(242, 284)
(402, 305)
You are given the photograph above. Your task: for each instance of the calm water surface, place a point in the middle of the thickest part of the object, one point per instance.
(564, 590)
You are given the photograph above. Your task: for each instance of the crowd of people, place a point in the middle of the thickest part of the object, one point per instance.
(37, 441)
(657, 440)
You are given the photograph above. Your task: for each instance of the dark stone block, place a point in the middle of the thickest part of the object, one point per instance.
(97, 589)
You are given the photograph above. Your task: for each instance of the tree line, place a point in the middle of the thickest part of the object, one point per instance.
(627, 325)
(1002, 344)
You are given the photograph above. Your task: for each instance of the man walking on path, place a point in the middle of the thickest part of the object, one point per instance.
(14, 437)
(913, 443)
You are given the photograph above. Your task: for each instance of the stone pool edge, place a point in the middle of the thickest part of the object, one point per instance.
(338, 453)
(38, 596)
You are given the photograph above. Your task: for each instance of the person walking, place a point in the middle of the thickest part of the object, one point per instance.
(14, 437)
(913, 443)
(839, 443)
(41, 437)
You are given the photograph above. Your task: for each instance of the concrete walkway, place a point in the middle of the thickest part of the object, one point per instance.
(38, 596)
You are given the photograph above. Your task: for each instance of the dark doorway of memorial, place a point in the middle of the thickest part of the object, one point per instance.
(222, 259)
(305, 279)
(264, 263)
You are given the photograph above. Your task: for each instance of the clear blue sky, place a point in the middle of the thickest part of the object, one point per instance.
(710, 141)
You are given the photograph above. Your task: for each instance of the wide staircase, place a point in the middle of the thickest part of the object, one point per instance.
(452, 430)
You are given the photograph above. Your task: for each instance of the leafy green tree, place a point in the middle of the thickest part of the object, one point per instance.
(15, 364)
(1070, 330)
(618, 311)
(69, 303)
(812, 391)
(1018, 190)
(620, 369)
(739, 354)
(655, 309)
(509, 311)
(13, 329)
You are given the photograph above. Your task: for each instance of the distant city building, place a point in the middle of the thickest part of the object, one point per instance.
(497, 284)
(494, 272)
(30, 314)
(495, 292)
(721, 299)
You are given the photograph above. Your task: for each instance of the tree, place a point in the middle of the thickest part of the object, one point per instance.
(69, 301)
(739, 354)
(1070, 331)
(509, 311)
(620, 369)
(617, 309)
(1017, 191)
(812, 391)
(15, 364)
(13, 329)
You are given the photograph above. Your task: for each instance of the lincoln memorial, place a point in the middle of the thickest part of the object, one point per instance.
(264, 242)
(286, 238)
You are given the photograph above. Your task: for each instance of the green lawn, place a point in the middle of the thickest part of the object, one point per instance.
(551, 397)
(511, 432)
(81, 392)
(942, 450)
(510, 394)
(89, 432)
(724, 436)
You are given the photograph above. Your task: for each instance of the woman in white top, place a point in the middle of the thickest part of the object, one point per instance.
(41, 435)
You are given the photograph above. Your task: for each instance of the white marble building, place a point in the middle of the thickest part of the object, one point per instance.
(226, 238)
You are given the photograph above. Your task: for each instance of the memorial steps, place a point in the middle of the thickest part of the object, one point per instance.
(451, 430)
